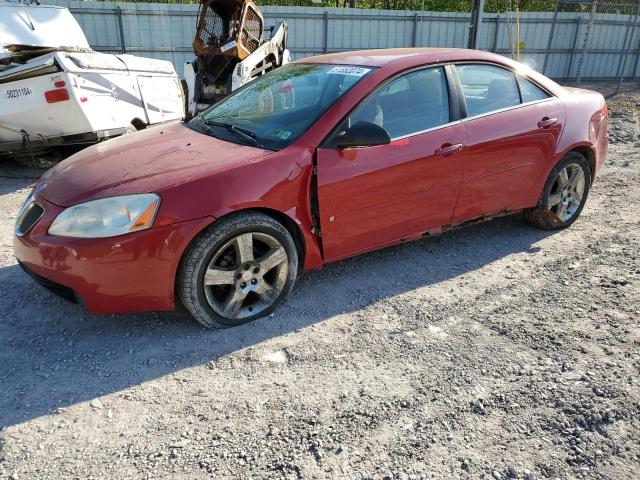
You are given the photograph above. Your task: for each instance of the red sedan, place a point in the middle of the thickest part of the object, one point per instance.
(314, 162)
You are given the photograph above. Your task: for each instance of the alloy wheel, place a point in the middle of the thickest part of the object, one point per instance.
(567, 192)
(246, 275)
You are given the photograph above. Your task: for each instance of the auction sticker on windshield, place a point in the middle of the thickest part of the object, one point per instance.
(348, 70)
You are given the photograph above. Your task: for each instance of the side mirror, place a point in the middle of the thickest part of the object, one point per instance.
(362, 134)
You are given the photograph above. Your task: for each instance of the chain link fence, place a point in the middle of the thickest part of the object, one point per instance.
(603, 36)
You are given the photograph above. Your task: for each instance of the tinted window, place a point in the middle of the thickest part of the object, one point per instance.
(278, 107)
(408, 104)
(487, 88)
(530, 92)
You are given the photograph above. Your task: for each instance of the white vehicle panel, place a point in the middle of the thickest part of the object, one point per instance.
(162, 97)
(143, 64)
(94, 61)
(41, 25)
(112, 99)
(23, 106)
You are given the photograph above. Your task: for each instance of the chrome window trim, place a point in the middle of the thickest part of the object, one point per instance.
(506, 109)
(432, 129)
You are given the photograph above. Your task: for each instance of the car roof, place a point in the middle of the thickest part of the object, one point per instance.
(393, 60)
(420, 56)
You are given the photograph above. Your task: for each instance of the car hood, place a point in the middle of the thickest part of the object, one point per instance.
(152, 160)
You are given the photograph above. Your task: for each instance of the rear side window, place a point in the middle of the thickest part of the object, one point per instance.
(487, 88)
(409, 104)
(530, 91)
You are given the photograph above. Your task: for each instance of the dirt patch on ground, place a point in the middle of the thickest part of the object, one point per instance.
(497, 351)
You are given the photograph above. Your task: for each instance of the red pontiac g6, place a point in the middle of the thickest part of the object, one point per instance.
(314, 162)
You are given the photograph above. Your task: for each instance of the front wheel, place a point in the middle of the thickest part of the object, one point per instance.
(239, 269)
(564, 194)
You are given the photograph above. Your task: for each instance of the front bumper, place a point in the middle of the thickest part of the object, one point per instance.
(124, 274)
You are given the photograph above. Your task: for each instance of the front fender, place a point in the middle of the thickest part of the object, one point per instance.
(277, 184)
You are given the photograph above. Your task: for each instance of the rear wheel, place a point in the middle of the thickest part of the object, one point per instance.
(564, 194)
(240, 269)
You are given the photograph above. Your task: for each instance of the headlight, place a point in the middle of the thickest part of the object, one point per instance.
(107, 217)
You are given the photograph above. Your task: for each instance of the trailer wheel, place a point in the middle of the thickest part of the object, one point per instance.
(131, 128)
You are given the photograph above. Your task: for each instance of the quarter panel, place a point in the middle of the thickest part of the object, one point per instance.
(587, 123)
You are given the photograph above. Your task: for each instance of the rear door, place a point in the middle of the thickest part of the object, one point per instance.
(371, 196)
(512, 128)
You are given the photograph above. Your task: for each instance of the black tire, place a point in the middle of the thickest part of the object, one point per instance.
(542, 216)
(185, 96)
(196, 260)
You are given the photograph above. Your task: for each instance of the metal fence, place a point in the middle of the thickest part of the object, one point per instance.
(581, 40)
(603, 35)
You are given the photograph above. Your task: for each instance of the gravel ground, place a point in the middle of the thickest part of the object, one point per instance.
(497, 351)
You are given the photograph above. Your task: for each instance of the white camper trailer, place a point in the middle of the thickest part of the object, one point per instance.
(57, 92)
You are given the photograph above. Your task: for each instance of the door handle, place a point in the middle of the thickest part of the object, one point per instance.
(448, 149)
(547, 122)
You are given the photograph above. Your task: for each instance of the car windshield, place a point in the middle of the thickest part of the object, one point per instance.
(275, 109)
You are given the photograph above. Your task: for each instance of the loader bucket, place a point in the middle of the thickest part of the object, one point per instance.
(230, 28)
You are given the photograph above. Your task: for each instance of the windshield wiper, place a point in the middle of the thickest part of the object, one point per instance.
(241, 132)
(205, 125)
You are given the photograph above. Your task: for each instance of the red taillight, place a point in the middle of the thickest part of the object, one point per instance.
(83, 99)
(58, 95)
(59, 83)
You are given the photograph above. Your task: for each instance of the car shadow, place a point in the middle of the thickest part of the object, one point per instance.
(54, 355)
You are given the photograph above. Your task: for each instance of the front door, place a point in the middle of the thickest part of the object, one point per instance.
(372, 196)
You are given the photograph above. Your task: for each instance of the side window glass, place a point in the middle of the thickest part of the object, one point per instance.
(487, 88)
(408, 104)
(530, 91)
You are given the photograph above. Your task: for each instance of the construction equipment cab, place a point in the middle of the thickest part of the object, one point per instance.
(230, 51)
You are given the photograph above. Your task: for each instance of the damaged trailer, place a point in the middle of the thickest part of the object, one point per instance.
(57, 94)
